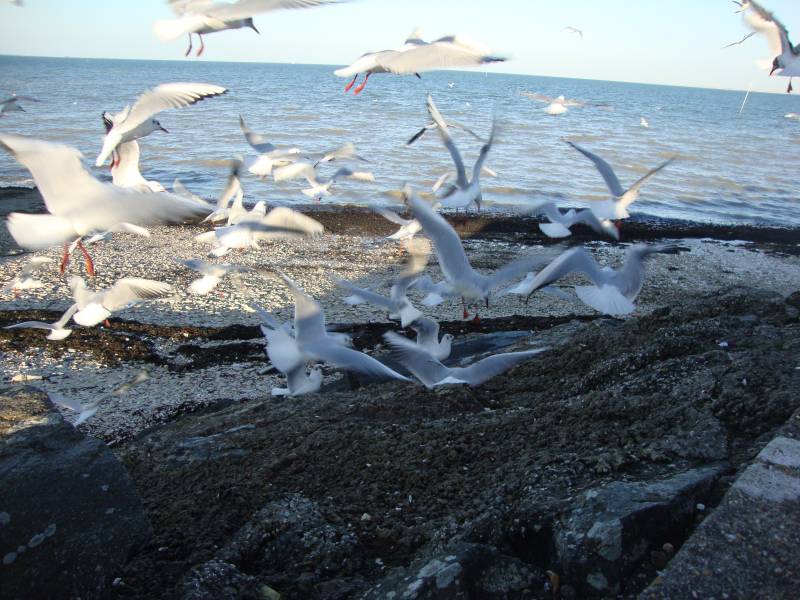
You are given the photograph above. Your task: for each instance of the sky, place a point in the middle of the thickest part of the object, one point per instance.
(672, 42)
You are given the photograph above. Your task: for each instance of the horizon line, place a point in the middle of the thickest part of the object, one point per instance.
(497, 72)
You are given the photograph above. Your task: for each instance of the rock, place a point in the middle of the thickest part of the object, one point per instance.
(463, 571)
(611, 529)
(218, 580)
(746, 548)
(72, 514)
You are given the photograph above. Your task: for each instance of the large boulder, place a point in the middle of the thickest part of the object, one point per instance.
(69, 513)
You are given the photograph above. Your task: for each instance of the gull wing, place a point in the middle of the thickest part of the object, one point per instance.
(295, 171)
(129, 290)
(244, 9)
(309, 319)
(282, 350)
(445, 52)
(367, 295)
(416, 359)
(282, 216)
(183, 7)
(538, 97)
(761, 20)
(490, 367)
(392, 216)
(605, 170)
(573, 260)
(353, 360)
(257, 141)
(441, 125)
(452, 258)
(650, 174)
(485, 149)
(166, 96)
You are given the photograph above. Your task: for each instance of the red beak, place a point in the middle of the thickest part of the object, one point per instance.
(163, 129)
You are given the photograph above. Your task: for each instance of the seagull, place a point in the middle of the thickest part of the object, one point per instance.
(25, 280)
(316, 344)
(205, 16)
(280, 223)
(427, 331)
(408, 227)
(309, 172)
(88, 410)
(555, 106)
(397, 303)
(212, 275)
(233, 189)
(269, 155)
(137, 121)
(644, 123)
(125, 170)
(465, 191)
(617, 207)
(95, 307)
(12, 104)
(425, 367)
(285, 355)
(560, 223)
(461, 279)
(445, 177)
(574, 30)
(78, 204)
(417, 56)
(613, 292)
(58, 330)
(786, 57)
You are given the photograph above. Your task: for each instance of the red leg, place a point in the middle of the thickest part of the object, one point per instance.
(790, 88)
(88, 259)
(360, 88)
(107, 324)
(477, 319)
(190, 46)
(202, 45)
(64, 260)
(351, 84)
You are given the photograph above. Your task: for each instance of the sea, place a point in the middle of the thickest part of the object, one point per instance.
(737, 162)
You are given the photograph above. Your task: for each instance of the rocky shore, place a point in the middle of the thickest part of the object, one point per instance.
(577, 474)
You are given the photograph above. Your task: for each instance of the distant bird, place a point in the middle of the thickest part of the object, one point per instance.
(125, 170)
(613, 292)
(78, 204)
(96, 306)
(137, 121)
(574, 30)
(617, 207)
(555, 106)
(793, 116)
(786, 57)
(417, 56)
(465, 191)
(11, 104)
(741, 41)
(425, 367)
(560, 223)
(319, 187)
(212, 275)
(397, 303)
(25, 280)
(316, 344)
(58, 330)
(644, 123)
(205, 16)
(460, 278)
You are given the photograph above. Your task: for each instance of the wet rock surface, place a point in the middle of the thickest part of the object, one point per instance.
(390, 477)
(69, 513)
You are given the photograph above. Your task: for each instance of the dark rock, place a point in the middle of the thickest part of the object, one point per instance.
(463, 571)
(611, 528)
(218, 580)
(70, 513)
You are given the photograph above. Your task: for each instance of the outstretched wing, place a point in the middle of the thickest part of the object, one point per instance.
(605, 170)
(166, 96)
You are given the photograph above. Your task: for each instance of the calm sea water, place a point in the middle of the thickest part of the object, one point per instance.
(732, 168)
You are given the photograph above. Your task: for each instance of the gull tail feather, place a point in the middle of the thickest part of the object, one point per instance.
(605, 299)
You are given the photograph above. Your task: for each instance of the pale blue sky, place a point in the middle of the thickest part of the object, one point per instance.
(675, 42)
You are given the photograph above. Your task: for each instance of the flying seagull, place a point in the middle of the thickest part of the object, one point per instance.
(12, 104)
(319, 187)
(617, 207)
(205, 16)
(212, 274)
(25, 280)
(613, 292)
(137, 121)
(96, 306)
(560, 223)
(125, 170)
(786, 57)
(425, 367)
(78, 204)
(574, 30)
(58, 330)
(465, 191)
(417, 56)
(741, 41)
